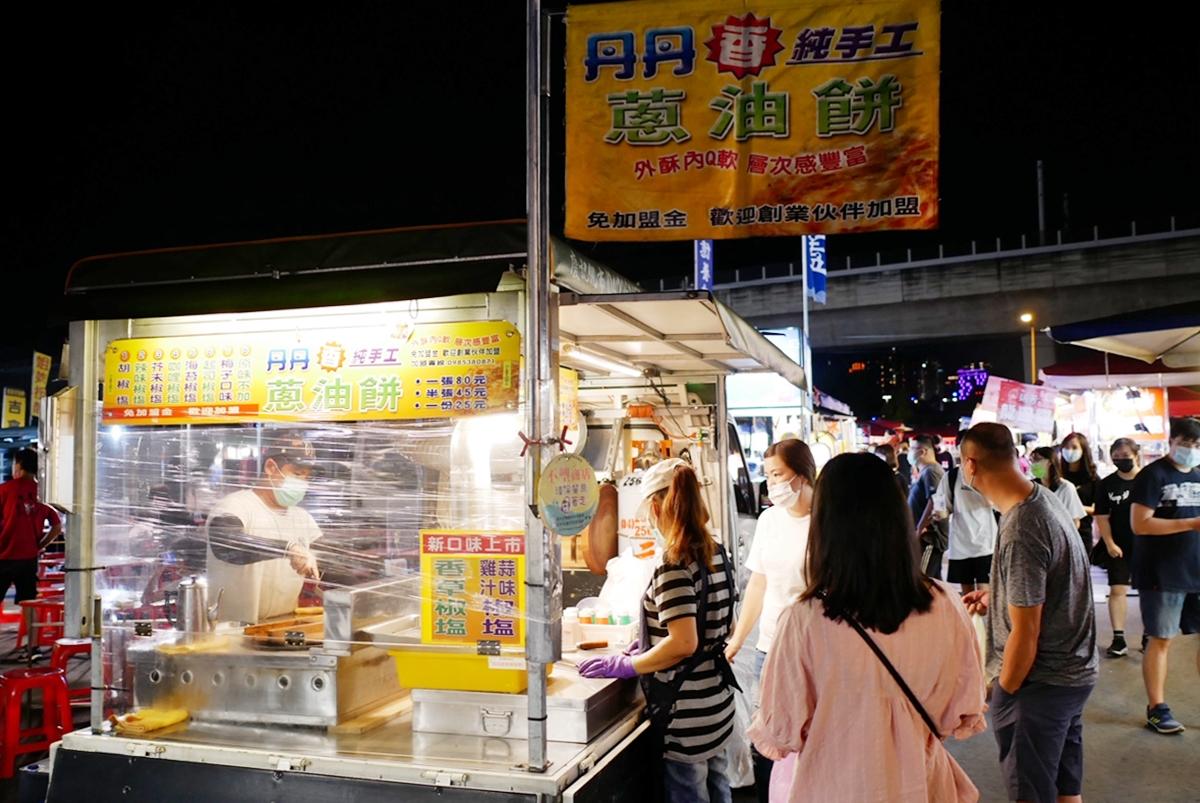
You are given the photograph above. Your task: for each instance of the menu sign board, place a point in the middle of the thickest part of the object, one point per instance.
(472, 587)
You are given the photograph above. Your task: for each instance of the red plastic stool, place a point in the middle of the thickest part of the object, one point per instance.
(64, 650)
(56, 713)
(42, 622)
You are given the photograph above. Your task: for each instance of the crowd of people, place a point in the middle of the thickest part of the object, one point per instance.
(866, 660)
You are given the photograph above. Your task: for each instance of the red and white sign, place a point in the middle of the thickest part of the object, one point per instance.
(1026, 408)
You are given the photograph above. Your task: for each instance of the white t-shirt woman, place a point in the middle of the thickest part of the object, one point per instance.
(780, 546)
(778, 553)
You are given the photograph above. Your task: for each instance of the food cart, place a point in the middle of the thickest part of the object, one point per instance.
(432, 639)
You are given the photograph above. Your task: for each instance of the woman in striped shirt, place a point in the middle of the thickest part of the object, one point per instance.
(697, 720)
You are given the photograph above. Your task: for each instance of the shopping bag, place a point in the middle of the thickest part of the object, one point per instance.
(782, 775)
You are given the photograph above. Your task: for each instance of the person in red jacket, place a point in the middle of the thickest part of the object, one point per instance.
(23, 530)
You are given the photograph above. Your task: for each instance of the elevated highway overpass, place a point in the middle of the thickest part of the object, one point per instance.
(978, 295)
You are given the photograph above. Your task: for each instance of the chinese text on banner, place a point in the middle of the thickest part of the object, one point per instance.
(702, 120)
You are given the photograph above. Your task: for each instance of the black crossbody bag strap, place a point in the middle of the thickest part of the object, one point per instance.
(912, 698)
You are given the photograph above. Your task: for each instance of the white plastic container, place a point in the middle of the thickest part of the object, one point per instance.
(572, 633)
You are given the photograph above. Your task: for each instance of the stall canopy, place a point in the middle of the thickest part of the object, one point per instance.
(686, 333)
(1096, 371)
(828, 405)
(317, 271)
(1170, 333)
(1183, 402)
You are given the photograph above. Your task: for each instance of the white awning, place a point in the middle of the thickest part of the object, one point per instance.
(686, 332)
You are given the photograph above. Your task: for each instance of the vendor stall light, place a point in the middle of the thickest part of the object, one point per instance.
(603, 363)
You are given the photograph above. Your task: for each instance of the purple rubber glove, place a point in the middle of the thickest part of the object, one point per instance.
(608, 666)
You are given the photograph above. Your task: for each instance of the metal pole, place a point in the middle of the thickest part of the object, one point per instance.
(729, 529)
(542, 646)
(81, 525)
(804, 293)
(1032, 355)
(1041, 206)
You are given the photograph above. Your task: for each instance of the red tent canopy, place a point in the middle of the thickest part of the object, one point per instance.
(1098, 370)
(1182, 402)
(1094, 363)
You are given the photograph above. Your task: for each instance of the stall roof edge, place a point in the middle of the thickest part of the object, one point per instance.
(647, 317)
(308, 271)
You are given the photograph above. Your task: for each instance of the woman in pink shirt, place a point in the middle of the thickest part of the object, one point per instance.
(828, 698)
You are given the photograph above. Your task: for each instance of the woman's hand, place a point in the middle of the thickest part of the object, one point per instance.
(731, 649)
(608, 666)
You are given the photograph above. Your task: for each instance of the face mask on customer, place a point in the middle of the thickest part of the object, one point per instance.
(1072, 455)
(1038, 470)
(290, 492)
(1123, 464)
(1186, 456)
(782, 494)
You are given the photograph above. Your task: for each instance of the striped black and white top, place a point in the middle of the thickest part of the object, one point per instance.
(702, 721)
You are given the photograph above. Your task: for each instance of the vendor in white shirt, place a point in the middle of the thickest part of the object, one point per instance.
(259, 538)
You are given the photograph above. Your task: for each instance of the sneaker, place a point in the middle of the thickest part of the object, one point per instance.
(1159, 717)
(1118, 649)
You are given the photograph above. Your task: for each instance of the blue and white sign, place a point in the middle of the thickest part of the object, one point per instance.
(704, 264)
(815, 263)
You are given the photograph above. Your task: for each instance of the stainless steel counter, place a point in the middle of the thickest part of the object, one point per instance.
(392, 752)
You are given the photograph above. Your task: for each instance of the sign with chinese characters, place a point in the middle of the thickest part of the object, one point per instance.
(568, 408)
(472, 587)
(568, 494)
(718, 120)
(704, 264)
(421, 371)
(41, 375)
(817, 266)
(14, 408)
(1025, 408)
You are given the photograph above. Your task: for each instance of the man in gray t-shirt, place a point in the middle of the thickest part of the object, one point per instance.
(1042, 652)
(1040, 561)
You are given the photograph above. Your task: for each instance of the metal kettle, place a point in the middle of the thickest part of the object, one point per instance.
(193, 614)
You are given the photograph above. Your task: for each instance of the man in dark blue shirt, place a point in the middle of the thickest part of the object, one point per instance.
(1166, 559)
(934, 537)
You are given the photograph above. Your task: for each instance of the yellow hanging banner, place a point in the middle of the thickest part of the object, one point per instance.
(716, 120)
(423, 371)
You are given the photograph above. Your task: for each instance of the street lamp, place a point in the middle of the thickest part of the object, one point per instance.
(1028, 318)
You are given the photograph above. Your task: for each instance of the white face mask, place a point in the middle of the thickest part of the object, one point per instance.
(1072, 455)
(1186, 456)
(782, 494)
(290, 492)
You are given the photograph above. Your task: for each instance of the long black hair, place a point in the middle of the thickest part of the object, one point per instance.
(1088, 466)
(862, 550)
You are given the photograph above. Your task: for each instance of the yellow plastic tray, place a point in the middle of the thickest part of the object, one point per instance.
(455, 672)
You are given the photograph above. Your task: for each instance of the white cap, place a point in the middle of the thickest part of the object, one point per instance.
(654, 479)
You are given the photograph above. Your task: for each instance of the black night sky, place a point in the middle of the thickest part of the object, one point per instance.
(131, 129)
